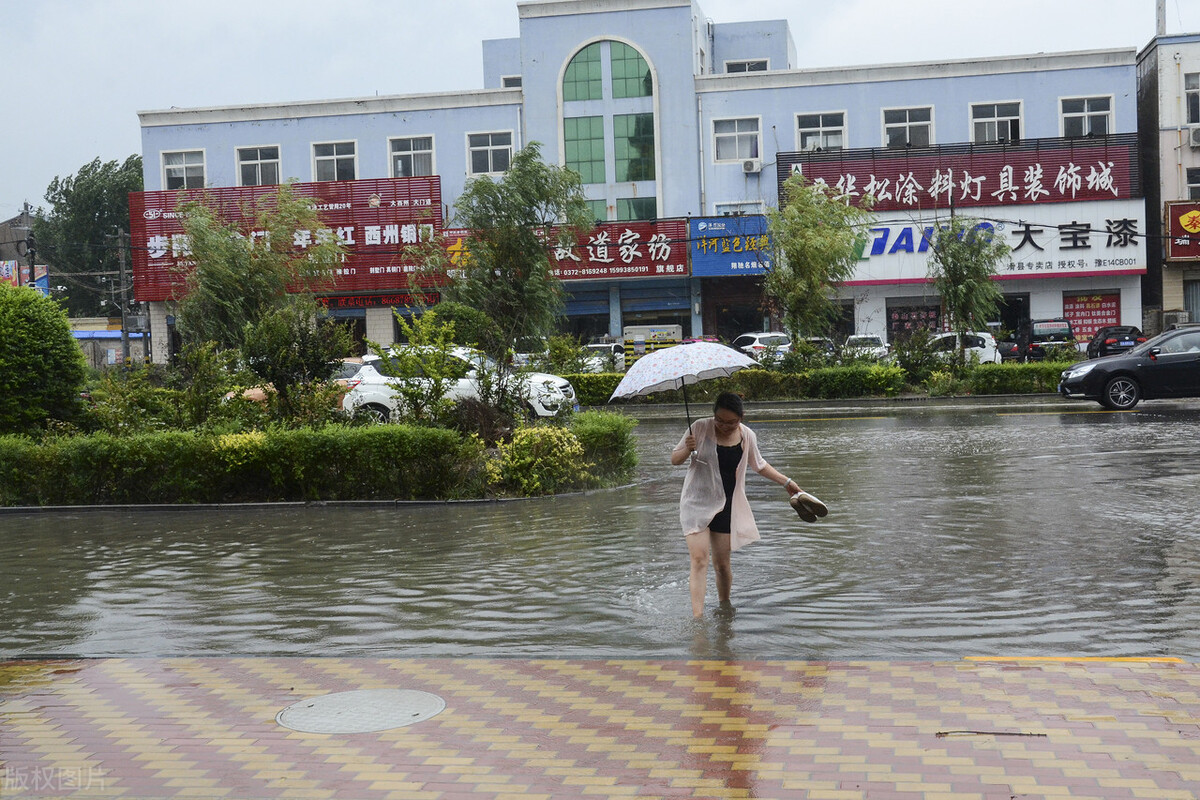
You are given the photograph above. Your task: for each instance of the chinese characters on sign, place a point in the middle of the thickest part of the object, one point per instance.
(903, 320)
(722, 246)
(949, 178)
(1067, 238)
(375, 220)
(625, 250)
(1091, 312)
(1183, 231)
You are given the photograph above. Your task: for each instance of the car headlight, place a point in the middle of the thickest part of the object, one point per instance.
(1080, 371)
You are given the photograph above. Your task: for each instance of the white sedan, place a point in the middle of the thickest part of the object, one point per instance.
(979, 343)
(371, 390)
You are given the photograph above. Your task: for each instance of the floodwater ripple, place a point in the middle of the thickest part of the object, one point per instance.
(951, 533)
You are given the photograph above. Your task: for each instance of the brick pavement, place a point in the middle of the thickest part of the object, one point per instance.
(973, 729)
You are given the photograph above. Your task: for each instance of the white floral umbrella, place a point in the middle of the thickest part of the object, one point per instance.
(677, 367)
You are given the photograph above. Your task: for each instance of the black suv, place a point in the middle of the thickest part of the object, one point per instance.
(1045, 334)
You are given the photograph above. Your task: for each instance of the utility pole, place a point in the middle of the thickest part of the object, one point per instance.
(122, 237)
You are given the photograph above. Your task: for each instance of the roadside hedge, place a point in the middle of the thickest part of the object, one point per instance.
(829, 383)
(332, 463)
(1012, 378)
(385, 462)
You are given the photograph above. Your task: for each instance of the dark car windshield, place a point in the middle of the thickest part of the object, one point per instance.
(1147, 345)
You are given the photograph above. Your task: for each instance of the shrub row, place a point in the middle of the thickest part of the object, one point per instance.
(332, 463)
(831, 383)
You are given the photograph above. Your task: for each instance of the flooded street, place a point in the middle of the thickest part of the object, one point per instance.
(953, 531)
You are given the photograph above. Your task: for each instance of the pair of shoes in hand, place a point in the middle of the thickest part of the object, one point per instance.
(808, 506)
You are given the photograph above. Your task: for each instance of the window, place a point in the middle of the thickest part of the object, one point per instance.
(634, 146)
(635, 208)
(821, 131)
(583, 79)
(630, 72)
(757, 65)
(736, 139)
(1086, 116)
(489, 152)
(1193, 184)
(739, 208)
(334, 161)
(511, 81)
(996, 122)
(583, 141)
(258, 166)
(908, 127)
(412, 156)
(184, 170)
(1191, 95)
(599, 209)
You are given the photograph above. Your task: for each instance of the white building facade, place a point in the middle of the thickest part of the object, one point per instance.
(675, 121)
(1169, 106)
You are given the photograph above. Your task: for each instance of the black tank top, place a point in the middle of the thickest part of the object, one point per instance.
(728, 458)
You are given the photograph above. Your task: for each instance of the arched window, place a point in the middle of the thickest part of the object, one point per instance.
(584, 78)
(630, 73)
(611, 143)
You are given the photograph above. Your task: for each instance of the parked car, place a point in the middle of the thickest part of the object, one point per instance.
(762, 345)
(867, 346)
(373, 393)
(1166, 366)
(823, 345)
(1010, 348)
(344, 373)
(605, 357)
(1046, 334)
(979, 344)
(1114, 339)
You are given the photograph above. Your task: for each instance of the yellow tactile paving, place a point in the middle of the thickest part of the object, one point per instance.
(987, 729)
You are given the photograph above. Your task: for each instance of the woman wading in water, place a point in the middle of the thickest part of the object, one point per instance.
(713, 508)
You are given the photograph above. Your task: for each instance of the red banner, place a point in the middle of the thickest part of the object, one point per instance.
(656, 249)
(1091, 312)
(1183, 231)
(959, 176)
(375, 220)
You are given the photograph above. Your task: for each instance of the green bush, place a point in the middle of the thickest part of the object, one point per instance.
(42, 368)
(332, 463)
(1012, 378)
(857, 380)
(594, 388)
(608, 443)
(542, 459)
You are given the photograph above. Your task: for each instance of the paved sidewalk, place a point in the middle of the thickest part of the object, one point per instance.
(205, 727)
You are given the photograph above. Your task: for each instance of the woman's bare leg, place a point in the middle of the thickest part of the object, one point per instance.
(698, 548)
(722, 567)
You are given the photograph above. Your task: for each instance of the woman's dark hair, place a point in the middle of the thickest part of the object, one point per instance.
(730, 402)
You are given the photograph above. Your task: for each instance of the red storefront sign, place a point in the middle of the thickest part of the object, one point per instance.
(960, 176)
(1183, 231)
(375, 220)
(656, 249)
(388, 300)
(1091, 312)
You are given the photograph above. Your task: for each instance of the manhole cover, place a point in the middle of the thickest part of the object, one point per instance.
(360, 711)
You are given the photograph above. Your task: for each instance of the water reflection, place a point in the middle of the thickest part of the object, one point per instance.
(953, 532)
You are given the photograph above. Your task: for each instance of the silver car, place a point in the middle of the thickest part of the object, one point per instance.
(373, 391)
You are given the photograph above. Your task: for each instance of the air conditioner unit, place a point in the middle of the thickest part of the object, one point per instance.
(1194, 137)
(751, 166)
(1172, 318)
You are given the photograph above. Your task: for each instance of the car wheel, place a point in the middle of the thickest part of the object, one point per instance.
(374, 413)
(1121, 393)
